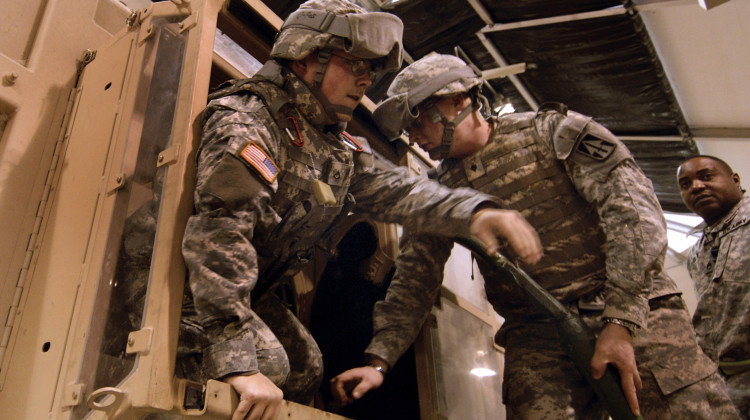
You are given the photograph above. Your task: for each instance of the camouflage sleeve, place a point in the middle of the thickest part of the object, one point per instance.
(605, 174)
(720, 268)
(390, 193)
(413, 290)
(231, 203)
(696, 274)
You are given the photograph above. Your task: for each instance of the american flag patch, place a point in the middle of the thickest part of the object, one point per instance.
(255, 156)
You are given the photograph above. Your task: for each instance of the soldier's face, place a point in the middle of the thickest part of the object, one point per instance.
(708, 188)
(429, 134)
(341, 86)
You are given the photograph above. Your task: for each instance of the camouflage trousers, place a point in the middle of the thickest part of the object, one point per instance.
(286, 351)
(679, 381)
(739, 391)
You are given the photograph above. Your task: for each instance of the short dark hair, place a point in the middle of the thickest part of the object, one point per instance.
(721, 163)
(725, 166)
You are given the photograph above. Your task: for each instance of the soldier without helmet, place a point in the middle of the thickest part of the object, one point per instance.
(720, 268)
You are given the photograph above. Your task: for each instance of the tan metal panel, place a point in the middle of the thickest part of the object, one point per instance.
(20, 22)
(52, 36)
(60, 262)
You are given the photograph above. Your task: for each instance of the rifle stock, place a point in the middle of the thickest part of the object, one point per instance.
(578, 338)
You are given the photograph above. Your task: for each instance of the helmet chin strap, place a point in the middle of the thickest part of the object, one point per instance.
(324, 56)
(449, 126)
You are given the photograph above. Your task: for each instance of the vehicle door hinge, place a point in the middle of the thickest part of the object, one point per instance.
(187, 23)
(139, 341)
(87, 57)
(116, 183)
(72, 395)
(54, 167)
(168, 156)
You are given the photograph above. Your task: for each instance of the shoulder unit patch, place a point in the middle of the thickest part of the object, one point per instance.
(596, 148)
(257, 157)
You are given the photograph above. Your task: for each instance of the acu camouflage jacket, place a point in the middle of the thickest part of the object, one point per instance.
(584, 168)
(271, 180)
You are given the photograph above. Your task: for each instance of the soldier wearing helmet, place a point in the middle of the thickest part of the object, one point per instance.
(604, 241)
(276, 170)
(415, 92)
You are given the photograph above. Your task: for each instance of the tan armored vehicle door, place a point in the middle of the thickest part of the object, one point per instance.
(94, 314)
(41, 45)
(122, 151)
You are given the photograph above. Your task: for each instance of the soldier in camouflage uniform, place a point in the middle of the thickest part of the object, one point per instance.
(275, 171)
(720, 267)
(604, 241)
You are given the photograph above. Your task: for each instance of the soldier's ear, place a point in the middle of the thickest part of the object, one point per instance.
(299, 66)
(459, 101)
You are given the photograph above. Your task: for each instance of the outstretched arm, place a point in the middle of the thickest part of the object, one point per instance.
(354, 383)
(424, 206)
(489, 224)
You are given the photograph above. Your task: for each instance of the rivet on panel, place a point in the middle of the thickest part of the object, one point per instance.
(10, 78)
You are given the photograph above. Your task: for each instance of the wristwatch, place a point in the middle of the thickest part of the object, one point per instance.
(378, 368)
(631, 327)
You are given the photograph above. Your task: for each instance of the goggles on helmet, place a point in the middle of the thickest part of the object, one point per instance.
(369, 35)
(398, 112)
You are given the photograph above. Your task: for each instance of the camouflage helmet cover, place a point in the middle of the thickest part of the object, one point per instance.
(429, 68)
(432, 75)
(339, 24)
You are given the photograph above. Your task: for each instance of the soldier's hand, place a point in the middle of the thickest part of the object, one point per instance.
(615, 346)
(354, 383)
(489, 223)
(260, 399)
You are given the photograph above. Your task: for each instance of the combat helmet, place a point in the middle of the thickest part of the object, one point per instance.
(431, 77)
(325, 25)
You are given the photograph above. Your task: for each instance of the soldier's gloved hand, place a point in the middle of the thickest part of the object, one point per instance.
(488, 224)
(354, 383)
(260, 399)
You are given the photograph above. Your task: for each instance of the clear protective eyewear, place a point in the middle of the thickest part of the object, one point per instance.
(359, 67)
(425, 109)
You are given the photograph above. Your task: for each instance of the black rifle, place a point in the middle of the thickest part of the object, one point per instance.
(578, 338)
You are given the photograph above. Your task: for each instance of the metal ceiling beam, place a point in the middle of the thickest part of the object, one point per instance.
(703, 134)
(721, 133)
(642, 5)
(626, 137)
(460, 51)
(497, 27)
(500, 60)
(480, 10)
(708, 4)
(645, 5)
(499, 72)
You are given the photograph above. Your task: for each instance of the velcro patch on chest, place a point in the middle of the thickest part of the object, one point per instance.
(258, 159)
(596, 148)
